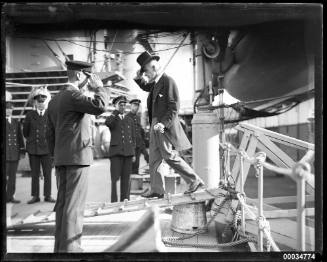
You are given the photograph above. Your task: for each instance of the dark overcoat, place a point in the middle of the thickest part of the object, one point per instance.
(163, 103)
(123, 140)
(14, 140)
(34, 130)
(69, 125)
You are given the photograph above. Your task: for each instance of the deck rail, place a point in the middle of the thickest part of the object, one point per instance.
(300, 172)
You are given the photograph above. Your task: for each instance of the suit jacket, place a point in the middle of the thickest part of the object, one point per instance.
(14, 140)
(69, 125)
(163, 103)
(34, 130)
(123, 141)
(138, 130)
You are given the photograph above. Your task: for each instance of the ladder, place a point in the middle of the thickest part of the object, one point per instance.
(101, 209)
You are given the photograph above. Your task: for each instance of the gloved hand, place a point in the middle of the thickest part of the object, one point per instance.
(159, 127)
(95, 81)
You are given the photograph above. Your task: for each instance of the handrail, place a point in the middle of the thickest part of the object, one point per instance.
(277, 137)
(300, 172)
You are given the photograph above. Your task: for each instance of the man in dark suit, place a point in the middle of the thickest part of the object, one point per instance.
(34, 130)
(15, 149)
(70, 142)
(166, 131)
(122, 148)
(139, 134)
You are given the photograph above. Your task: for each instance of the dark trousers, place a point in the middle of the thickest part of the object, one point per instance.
(162, 149)
(11, 169)
(120, 168)
(35, 162)
(136, 163)
(69, 208)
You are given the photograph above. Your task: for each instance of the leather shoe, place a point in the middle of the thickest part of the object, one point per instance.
(34, 200)
(13, 200)
(194, 186)
(49, 199)
(152, 195)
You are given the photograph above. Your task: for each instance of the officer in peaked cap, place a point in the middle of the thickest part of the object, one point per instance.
(79, 65)
(70, 142)
(139, 134)
(120, 99)
(122, 148)
(15, 149)
(34, 130)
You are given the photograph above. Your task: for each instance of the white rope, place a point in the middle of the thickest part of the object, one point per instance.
(263, 223)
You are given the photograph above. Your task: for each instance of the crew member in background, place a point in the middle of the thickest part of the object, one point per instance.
(70, 142)
(166, 131)
(15, 149)
(122, 148)
(139, 134)
(34, 130)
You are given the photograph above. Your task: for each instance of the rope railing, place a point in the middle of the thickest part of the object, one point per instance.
(263, 224)
(300, 172)
(280, 170)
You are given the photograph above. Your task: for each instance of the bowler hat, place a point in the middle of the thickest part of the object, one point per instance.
(135, 101)
(145, 58)
(79, 65)
(119, 99)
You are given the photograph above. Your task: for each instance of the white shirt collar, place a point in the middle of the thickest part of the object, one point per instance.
(158, 78)
(39, 111)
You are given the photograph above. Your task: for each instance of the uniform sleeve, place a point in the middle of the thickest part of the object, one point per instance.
(173, 104)
(50, 135)
(27, 125)
(111, 121)
(143, 86)
(92, 106)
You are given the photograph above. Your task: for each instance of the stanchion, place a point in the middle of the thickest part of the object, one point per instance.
(298, 171)
(242, 192)
(260, 158)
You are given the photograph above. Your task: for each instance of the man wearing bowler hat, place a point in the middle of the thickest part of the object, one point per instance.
(139, 134)
(70, 142)
(15, 149)
(166, 131)
(122, 148)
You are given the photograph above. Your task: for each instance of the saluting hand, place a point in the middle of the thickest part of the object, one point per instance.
(95, 81)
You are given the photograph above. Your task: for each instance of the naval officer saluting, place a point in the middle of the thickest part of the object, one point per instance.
(70, 142)
(122, 148)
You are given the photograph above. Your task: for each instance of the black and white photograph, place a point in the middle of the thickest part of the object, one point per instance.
(157, 130)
